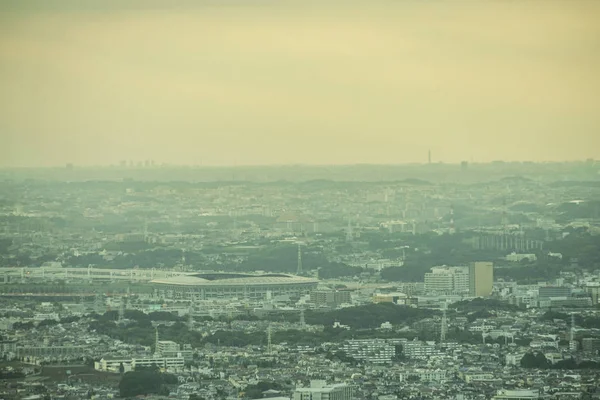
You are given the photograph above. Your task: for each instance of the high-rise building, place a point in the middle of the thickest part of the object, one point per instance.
(447, 280)
(320, 390)
(481, 278)
(594, 291)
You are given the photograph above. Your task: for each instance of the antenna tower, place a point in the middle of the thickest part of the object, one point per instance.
(156, 339)
(349, 234)
(122, 309)
(483, 334)
(191, 317)
(444, 327)
(504, 217)
(302, 320)
(299, 268)
(269, 345)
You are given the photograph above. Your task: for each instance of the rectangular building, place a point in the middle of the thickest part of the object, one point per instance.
(112, 364)
(420, 350)
(481, 279)
(590, 345)
(320, 390)
(376, 351)
(447, 280)
(330, 298)
(594, 291)
(554, 291)
(517, 395)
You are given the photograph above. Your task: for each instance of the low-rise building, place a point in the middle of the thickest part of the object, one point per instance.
(516, 395)
(320, 390)
(113, 364)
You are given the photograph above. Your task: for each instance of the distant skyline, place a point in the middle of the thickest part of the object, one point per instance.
(233, 82)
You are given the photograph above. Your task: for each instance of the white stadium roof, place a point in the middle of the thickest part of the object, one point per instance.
(232, 280)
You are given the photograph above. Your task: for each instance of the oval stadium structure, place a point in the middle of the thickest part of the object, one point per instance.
(208, 286)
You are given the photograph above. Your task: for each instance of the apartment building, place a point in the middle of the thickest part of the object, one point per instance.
(320, 390)
(376, 351)
(447, 280)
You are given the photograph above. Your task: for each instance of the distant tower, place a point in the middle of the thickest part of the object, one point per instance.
(349, 234)
(573, 345)
(429, 157)
(269, 345)
(302, 320)
(156, 352)
(122, 309)
(191, 317)
(504, 216)
(483, 334)
(99, 305)
(299, 267)
(452, 230)
(444, 326)
(146, 230)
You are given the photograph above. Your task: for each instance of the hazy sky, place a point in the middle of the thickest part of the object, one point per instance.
(316, 82)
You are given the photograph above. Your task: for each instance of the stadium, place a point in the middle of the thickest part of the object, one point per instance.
(209, 286)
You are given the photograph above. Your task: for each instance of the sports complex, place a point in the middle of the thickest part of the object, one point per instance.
(208, 286)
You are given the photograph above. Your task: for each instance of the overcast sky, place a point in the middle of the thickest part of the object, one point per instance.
(237, 82)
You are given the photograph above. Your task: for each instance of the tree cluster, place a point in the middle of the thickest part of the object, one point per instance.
(145, 381)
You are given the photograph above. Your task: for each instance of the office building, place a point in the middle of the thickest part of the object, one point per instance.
(166, 346)
(514, 257)
(420, 350)
(481, 279)
(593, 289)
(395, 298)
(112, 364)
(375, 351)
(330, 298)
(554, 291)
(516, 395)
(590, 345)
(447, 280)
(320, 390)
(8, 347)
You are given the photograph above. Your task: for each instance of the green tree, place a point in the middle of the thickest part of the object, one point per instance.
(141, 382)
(535, 360)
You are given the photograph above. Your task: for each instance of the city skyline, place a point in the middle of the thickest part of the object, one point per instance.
(313, 83)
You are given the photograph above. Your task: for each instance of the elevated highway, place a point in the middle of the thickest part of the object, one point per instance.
(25, 274)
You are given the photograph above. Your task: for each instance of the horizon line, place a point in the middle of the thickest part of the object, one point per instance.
(68, 165)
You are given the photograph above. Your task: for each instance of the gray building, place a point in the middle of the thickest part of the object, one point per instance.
(554, 291)
(320, 390)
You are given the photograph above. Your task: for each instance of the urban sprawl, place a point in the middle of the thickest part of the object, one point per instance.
(435, 281)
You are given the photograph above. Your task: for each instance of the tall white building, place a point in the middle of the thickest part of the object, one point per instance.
(447, 280)
(320, 390)
(376, 351)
